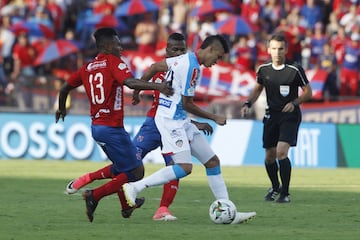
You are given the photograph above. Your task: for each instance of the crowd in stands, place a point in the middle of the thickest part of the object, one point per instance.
(322, 34)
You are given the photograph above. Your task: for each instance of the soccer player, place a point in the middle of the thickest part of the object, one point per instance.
(103, 79)
(180, 138)
(148, 138)
(281, 80)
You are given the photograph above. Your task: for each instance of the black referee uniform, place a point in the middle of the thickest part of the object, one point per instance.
(281, 87)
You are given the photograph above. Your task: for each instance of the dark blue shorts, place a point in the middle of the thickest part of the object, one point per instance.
(147, 139)
(117, 145)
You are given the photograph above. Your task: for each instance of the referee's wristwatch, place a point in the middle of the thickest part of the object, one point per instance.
(247, 103)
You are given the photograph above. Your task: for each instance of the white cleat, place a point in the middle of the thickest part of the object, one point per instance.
(70, 189)
(243, 217)
(130, 194)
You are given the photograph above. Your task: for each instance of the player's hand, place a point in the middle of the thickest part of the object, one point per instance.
(205, 127)
(220, 120)
(135, 97)
(244, 111)
(166, 89)
(60, 114)
(289, 107)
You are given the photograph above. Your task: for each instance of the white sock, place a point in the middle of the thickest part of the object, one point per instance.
(218, 186)
(159, 177)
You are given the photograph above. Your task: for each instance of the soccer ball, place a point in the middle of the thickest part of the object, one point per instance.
(222, 211)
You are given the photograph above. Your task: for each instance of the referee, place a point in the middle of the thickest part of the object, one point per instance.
(281, 81)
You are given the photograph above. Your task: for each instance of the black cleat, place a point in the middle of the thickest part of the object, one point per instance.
(283, 199)
(91, 204)
(138, 203)
(271, 195)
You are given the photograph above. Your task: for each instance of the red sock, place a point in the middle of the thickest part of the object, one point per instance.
(102, 173)
(113, 186)
(90, 177)
(122, 199)
(169, 193)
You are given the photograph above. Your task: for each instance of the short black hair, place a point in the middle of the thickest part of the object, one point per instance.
(280, 37)
(104, 35)
(176, 36)
(215, 38)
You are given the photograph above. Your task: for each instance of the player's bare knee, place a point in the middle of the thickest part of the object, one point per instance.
(213, 162)
(138, 173)
(281, 155)
(187, 168)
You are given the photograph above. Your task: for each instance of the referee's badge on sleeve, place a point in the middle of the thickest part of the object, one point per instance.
(284, 90)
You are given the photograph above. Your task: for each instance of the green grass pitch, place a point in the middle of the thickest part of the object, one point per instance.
(325, 205)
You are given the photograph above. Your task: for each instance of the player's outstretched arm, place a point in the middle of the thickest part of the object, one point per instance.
(153, 69)
(191, 107)
(254, 95)
(134, 83)
(64, 92)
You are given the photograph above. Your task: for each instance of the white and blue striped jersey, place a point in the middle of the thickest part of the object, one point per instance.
(183, 75)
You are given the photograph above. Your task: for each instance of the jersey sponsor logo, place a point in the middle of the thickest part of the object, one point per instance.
(175, 134)
(122, 66)
(194, 76)
(179, 143)
(96, 65)
(102, 110)
(284, 90)
(140, 138)
(165, 102)
(139, 153)
(191, 91)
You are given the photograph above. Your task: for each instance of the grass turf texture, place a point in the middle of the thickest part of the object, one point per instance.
(325, 205)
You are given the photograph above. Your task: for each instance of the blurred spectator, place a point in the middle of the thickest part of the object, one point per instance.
(207, 26)
(350, 68)
(179, 10)
(103, 7)
(242, 53)
(326, 9)
(7, 39)
(146, 32)
(295, 33)
(41, 15)
(291, 4)
(57, 14)
(327, 62)
(350, 19)
(311, 13)
(250, 11)
(338, 43)
(270, 15)
(23, 73)
(333, 26)
(317, 43)
(341, 7)
(3, 80)
(262, 54)
(192, 32)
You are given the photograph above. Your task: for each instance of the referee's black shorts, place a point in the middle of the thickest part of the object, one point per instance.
(280, 126)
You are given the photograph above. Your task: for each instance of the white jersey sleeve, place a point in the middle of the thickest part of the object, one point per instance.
(183, 75)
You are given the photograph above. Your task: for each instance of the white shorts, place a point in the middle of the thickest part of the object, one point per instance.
(182, 139)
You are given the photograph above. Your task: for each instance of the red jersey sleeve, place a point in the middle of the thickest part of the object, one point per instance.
(120, 70)
(74, 79)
